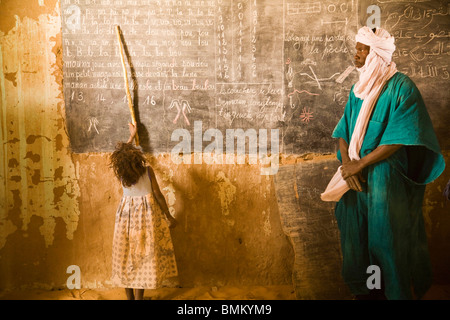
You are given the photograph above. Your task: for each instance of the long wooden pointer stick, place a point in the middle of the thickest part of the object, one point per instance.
(130, 103)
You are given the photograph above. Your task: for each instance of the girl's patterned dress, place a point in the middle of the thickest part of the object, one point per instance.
(142, 254)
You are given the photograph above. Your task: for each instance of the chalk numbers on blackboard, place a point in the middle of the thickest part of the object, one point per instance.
(77, 96)
(150, 100)
(100, 97)
(237, 53)
(253, 37)
(222, 47)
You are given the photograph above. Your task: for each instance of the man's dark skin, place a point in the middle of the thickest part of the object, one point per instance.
(351, 169)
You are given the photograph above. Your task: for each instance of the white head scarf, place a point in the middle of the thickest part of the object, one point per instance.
(378, 61)
(377, 70)
(381, 42)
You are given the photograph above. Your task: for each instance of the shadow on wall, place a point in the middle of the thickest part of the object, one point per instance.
(229, 230)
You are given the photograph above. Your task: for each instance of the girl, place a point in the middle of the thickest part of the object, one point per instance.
(143, 252)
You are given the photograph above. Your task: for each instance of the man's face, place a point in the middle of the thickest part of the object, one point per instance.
(361, 53)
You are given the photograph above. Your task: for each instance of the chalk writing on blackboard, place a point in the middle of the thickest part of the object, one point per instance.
(182, 107)
(236, 63)
(176, 51)
(93, 122)
(306, 115)
(422, 31)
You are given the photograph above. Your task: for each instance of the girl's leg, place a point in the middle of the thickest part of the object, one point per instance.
(129, 293)
(139, 294)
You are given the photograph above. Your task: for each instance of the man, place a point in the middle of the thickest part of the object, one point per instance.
(389, 152)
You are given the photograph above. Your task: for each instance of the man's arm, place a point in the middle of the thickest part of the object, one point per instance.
(343, 147)
(380, 153)
(353, 181)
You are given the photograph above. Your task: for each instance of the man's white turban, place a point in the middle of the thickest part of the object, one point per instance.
(381, 42)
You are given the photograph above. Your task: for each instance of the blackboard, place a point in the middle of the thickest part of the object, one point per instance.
(234, 64)
(311, 226)
(422, 33)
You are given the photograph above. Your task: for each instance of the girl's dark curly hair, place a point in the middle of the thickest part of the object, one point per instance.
(128, 163)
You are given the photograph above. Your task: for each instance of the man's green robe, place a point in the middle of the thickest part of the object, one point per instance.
(383, 225)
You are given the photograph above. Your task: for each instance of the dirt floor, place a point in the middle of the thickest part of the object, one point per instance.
(199, 293)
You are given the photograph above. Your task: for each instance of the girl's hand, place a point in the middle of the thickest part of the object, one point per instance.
(172, 221)
(133, 130)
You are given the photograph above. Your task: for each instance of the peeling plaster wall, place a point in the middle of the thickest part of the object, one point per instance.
(38, 187)
(39, 172)
(58, 208)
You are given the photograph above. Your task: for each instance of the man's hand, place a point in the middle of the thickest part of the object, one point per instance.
(355, 182)
(351, 168)
(351, 172)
